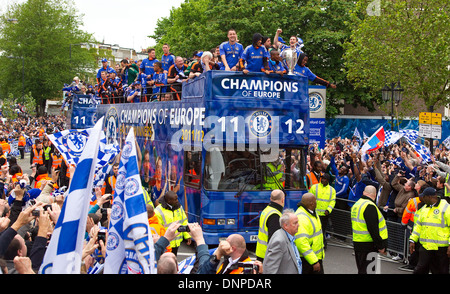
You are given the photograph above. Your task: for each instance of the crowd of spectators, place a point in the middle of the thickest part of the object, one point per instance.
(396, 171)
(152, 79)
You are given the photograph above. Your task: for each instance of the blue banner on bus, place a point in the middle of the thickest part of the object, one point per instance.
(229, 141)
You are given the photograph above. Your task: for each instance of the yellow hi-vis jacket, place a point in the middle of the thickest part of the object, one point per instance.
(359, 226)
(325, 196)
(432, 226)
(309, 238)
(166, 217)
(263, 232)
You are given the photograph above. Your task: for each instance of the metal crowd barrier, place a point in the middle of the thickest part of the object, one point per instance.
(340, 226)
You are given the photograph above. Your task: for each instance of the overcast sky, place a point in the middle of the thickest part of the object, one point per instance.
(123, 22)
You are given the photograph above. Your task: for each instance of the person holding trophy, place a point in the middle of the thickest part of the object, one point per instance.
(295, 43)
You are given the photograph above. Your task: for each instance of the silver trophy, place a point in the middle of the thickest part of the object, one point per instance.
(290, 59)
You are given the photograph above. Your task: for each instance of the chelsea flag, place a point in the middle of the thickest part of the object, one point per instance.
(63, 255)
(129, 244)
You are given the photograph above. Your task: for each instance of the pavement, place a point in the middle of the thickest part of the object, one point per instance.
(339, 259)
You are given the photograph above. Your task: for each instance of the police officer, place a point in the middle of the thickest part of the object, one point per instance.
(369, 229)
(326, 199)
(432, 230)
(269, 222)
(308, 239)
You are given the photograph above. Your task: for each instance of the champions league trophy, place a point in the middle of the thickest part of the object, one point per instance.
(290, 58)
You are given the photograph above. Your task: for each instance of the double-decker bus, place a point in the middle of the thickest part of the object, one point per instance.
(229, 141)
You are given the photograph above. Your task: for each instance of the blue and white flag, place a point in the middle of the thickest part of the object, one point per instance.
(446, 142)
(357, 134)
(391, 137)
(423, 151)
(71, 143)
(410, 135)
(129, 246)
(186, 265)
(63, 255)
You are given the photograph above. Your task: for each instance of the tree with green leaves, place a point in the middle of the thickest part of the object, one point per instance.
(47, 37)
(406, 41)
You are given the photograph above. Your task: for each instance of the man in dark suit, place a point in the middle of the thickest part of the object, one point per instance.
(282, 256)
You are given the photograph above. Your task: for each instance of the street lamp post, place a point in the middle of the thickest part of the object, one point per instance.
(394, 94)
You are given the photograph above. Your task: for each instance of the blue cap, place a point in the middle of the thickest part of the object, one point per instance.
(199, 54)
(104, 60)
(281, 40)
(428, 192)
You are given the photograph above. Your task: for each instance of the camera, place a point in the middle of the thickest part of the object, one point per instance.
(22, 184)
(183, 229)
(36, 212)
(249, 267)
(101, 236)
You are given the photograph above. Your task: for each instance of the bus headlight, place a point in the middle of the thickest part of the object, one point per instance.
(231, 221)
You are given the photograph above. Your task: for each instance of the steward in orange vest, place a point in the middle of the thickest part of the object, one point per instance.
(21, 146)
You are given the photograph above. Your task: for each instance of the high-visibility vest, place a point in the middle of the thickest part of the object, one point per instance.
(237, 271)
(446, 191)
(41, 178)
(359, 226)
(312, 179)
(56, 161)
(166, 217)
(157, 228)
(263, 232)
(325, 196)
(147, 198)
(5, 147)
(22, 141)
(38, 156)
(112, 183)
(410, 211)
(47, 153)
(309, 238)
(432, 226)
(274, 177)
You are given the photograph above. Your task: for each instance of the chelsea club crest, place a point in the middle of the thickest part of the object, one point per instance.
(111, 126)
(316, 102)
(74, 143)
(260, 123)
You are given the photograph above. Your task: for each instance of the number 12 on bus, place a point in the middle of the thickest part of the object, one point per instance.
(221, 151)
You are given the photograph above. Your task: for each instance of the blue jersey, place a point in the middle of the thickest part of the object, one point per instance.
(160, 79)
(167, 61)
(232, 53)
(108, 70)
(274, 66)
(136, 98)
(303, 71)
(147, 66)
(254, 58)
(142, 78)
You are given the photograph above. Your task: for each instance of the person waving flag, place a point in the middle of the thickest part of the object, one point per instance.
(63, 255)
(375, 142)
(129, 244)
